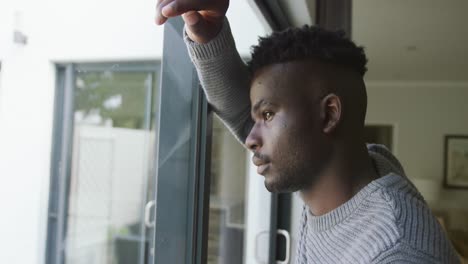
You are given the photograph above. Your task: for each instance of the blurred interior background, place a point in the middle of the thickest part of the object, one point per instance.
(85, 78)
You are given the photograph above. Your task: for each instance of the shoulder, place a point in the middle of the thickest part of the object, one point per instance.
(405, 253)
(420, 234)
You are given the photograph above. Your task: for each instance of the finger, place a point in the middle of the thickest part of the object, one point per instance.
(179, 7)
(195, 24)
(191, 18)
(160, 18)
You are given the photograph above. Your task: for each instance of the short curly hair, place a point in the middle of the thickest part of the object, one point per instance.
(308, 42)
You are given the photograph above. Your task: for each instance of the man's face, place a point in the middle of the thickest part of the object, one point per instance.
(287, 140)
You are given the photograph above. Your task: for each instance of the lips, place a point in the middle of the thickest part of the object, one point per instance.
(261, 164)
(262, 169)
(258, 161)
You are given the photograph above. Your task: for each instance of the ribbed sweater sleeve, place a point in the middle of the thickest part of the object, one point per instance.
(225, 79)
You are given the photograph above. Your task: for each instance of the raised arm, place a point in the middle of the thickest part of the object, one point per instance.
(225, 80)
(222, 73)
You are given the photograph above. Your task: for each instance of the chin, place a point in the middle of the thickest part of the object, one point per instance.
(270, 187)
(275, 185)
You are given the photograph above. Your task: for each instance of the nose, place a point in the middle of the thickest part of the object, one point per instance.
(254, 139)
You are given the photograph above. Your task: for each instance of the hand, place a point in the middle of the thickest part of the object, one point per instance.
(203, 18)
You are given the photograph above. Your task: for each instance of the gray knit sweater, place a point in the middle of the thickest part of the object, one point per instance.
(387, 221)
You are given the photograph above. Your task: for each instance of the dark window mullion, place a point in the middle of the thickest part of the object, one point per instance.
(181, 197)
(202, 198)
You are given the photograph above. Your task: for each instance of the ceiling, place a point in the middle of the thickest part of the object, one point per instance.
(413, 40)
(405, 40)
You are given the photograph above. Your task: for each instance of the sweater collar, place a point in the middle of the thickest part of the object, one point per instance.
(389, 173)
(336, 216)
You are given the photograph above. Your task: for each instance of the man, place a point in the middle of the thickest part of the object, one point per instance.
(300, 106)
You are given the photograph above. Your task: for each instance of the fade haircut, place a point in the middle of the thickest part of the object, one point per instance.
(308, 42)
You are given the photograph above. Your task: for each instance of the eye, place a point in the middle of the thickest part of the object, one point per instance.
(267, 116)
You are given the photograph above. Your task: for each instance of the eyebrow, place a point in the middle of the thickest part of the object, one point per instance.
(259, 104)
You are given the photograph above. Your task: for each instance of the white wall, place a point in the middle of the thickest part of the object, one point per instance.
(423, 113)
(62, 31)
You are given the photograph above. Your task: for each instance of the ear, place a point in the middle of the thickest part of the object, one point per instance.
(330, 111)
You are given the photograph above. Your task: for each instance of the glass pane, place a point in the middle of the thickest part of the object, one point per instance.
(180, 230)
(240, 205)
(113, 151)
(227, 197)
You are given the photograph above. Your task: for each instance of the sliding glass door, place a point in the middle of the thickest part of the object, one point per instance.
(103, 167)
(212, 207)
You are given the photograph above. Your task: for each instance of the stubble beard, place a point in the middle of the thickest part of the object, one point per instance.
(288, 180)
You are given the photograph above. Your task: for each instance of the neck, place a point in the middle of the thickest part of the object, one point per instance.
(350, 170)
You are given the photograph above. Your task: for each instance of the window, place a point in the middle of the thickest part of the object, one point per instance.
(227, 197)
(103, 174)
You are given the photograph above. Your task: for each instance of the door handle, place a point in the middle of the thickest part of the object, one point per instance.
(148, 222)
(286, 235)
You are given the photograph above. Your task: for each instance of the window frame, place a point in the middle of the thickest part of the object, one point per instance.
(182, 239)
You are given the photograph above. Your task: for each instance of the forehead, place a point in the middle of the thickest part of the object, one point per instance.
(286, 81)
